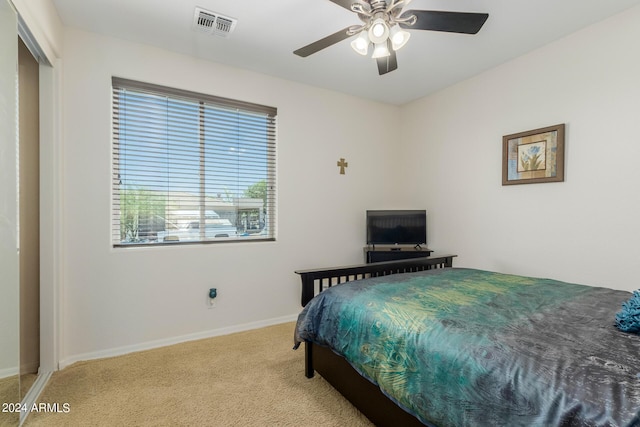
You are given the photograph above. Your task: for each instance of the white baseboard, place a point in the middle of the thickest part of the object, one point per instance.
(9, 372)
(119, 351)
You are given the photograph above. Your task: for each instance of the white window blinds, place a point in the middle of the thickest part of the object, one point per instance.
(190, 168)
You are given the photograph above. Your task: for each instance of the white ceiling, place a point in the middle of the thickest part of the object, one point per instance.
(268, 31)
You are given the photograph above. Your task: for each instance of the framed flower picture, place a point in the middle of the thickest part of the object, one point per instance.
(533, 156)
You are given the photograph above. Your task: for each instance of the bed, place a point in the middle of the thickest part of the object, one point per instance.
(418, 342)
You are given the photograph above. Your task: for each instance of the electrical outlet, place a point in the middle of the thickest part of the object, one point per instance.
(213, 293)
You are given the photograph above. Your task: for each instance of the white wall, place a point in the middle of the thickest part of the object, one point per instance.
(118, 300)
(585, 229)
(9, 242)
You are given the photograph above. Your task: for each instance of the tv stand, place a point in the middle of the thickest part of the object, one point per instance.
(380, 253)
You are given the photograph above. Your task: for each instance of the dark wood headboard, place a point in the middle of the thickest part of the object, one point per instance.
(316, 280)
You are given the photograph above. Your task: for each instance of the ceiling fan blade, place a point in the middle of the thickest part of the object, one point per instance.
(388, 63)
(347, 3)
(452, 22)
(322, 43)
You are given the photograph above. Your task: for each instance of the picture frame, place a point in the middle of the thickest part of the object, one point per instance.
(533, 156)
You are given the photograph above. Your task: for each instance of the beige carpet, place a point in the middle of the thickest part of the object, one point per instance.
(9, 393)
(250, 378)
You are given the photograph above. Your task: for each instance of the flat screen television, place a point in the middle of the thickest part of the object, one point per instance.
(396, 227)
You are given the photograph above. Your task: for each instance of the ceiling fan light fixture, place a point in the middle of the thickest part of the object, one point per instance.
(398, 37)
(382, 25)
(380, 51)
(379, 31)
(361, 44)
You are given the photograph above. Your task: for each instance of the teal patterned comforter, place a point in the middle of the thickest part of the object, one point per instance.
(462, 347)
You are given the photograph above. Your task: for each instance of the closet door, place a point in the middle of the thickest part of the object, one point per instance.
(9, 258)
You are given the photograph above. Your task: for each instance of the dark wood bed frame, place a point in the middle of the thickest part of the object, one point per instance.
(363, 394)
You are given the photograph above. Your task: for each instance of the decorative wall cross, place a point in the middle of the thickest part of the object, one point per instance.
(342, 164)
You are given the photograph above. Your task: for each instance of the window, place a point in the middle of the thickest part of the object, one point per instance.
(190, 168)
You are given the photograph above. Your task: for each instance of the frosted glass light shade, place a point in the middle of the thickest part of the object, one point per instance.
(379, 31)
(398, 37)
(361, 43)
(380, 51)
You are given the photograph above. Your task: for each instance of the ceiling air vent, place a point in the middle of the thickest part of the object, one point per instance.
(213, 23)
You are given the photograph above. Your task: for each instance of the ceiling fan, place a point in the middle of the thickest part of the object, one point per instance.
(383, 26)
